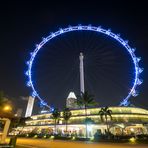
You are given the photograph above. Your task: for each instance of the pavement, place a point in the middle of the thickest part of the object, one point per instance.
(46, 143)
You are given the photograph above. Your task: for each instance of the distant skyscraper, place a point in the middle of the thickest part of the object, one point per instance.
(29, 106)
(71, 101)
(19, 112)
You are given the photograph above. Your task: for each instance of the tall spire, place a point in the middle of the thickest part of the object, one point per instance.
(81, 57)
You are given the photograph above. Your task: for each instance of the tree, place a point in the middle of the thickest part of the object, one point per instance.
(22, 122)
(89, 121)
(86, 100)
(55, 116)
(105, 112)
(5, 106)
(66, 115)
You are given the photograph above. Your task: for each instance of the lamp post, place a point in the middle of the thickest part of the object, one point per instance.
(7, 108)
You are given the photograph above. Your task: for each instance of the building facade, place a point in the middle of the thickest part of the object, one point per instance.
(125, 120)
(71, 101)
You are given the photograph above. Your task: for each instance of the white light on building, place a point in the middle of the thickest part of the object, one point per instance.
(81, 57)
(29, 106)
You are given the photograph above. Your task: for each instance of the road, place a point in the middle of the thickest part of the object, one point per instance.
(46, 143)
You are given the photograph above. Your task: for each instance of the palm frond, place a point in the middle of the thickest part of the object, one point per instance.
(105, 111)
(67, 114)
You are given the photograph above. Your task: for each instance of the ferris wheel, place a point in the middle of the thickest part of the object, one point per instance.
(131, 51)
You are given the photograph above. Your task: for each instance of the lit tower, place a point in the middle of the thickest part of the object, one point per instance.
(81, 73)
(29, 106)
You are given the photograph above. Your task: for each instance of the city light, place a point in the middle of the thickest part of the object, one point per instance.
(7, 108)
(89, 127)
(132, 129)
(132, 140)
(73, 138)
(35, 136)
(52, 137)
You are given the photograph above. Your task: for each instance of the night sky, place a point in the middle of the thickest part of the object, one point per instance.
(23, 24)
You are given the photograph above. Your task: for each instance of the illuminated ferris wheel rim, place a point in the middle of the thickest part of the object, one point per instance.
(138, 70)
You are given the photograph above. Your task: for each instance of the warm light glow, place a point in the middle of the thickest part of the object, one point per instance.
(132, 129)
(133, 140)
(73, 138)
(7, 108)
(35, 136)
(52, 137)
(92, 138)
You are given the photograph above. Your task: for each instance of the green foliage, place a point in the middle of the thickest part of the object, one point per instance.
(89, 120)
(104, 112)
(66, 114)
(22, 121)
(56, 114)
(15, 122)
(86, 100)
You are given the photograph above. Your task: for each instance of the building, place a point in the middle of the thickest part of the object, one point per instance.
(29, 106)
(125, 120)
(71, 101)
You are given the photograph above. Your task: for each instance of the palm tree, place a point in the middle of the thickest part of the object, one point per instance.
(89, 120)
(19, 122)
(22, 123)
(55, 116)
(105, 112)
(66, 115)
(86, 100)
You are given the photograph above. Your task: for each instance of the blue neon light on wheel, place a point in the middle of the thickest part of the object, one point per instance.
(124, 43)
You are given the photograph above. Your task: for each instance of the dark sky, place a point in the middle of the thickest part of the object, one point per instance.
(23, 24)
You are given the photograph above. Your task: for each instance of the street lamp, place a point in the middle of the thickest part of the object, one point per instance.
(7, 108)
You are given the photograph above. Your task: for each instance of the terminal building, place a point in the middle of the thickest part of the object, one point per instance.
(125, 120)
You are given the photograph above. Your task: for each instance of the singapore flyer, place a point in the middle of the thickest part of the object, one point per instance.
(107, 33)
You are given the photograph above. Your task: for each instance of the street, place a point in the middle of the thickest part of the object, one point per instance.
(46, 143)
